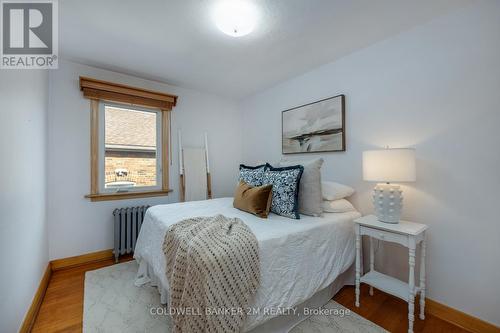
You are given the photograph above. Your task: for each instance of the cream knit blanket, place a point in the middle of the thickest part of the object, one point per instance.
(213, 270)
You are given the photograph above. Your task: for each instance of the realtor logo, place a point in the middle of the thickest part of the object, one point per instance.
(29, 34)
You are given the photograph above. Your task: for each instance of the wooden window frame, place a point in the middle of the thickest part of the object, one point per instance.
(97, 91)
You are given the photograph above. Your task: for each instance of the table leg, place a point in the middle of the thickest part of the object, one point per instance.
(358, 264)
(411, 284)
(372, 264)
(422, 278)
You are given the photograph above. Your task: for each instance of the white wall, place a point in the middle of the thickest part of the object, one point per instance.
(435, 88)
(78, 226)
(23, 227)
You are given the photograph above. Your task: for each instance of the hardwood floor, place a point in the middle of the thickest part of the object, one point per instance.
(391, 312)
(62, 306)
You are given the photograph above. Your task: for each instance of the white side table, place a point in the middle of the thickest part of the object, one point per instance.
(408, 234)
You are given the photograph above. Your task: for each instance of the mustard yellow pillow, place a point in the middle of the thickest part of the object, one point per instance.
(253, 199)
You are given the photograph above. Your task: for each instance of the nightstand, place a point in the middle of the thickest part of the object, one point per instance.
(408, 234)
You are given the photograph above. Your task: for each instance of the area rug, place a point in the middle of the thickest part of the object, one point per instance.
(112, 303)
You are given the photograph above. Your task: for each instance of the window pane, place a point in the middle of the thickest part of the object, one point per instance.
(130, 148)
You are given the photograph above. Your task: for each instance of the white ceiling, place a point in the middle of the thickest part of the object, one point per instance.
(176, 41)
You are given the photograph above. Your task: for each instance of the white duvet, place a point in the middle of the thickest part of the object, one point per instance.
(298, 257)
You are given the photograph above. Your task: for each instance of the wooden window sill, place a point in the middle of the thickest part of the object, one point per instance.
(126, 195)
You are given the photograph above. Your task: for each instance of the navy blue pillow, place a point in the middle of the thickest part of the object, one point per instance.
(252, 175)
(285, 183)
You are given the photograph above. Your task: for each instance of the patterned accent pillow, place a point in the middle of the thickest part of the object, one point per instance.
(252, 175)
(285, 183)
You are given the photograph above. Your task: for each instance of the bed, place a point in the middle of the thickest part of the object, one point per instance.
(303, 262)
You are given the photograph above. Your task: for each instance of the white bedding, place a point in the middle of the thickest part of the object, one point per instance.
(298, 257)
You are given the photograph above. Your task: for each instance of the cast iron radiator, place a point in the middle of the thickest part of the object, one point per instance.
(128, 222)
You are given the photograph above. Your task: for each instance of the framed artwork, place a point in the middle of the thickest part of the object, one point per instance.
(314, 127)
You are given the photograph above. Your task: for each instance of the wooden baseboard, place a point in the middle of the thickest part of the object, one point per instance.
(55, 265)
(29, 318)
(87, 258)
(459, 318)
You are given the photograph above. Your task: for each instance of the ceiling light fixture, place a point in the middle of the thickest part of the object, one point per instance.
(235, 18)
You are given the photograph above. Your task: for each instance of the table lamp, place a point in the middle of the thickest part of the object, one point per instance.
(386, 166)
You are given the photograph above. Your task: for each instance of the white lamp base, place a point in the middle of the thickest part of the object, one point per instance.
(388, 202)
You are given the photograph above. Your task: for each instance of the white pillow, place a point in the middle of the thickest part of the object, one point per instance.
(337, 206)
(335, 191)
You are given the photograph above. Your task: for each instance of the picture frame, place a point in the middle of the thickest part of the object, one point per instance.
(314, 127)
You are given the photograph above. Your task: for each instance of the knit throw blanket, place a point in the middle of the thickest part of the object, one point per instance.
(213, 270)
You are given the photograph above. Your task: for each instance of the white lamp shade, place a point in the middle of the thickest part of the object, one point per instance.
(389, 165)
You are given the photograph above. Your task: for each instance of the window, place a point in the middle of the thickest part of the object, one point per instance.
(130, 147)
(130, 136)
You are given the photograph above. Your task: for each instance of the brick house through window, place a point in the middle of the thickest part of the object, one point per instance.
(130, 148)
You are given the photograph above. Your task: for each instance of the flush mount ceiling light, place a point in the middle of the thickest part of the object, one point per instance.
(235, 18)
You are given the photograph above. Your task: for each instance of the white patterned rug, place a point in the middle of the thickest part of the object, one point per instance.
(112, 303)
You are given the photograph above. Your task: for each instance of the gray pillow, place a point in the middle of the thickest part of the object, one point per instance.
(310, 197)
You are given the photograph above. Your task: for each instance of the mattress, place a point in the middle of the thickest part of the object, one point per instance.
(298, 257)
